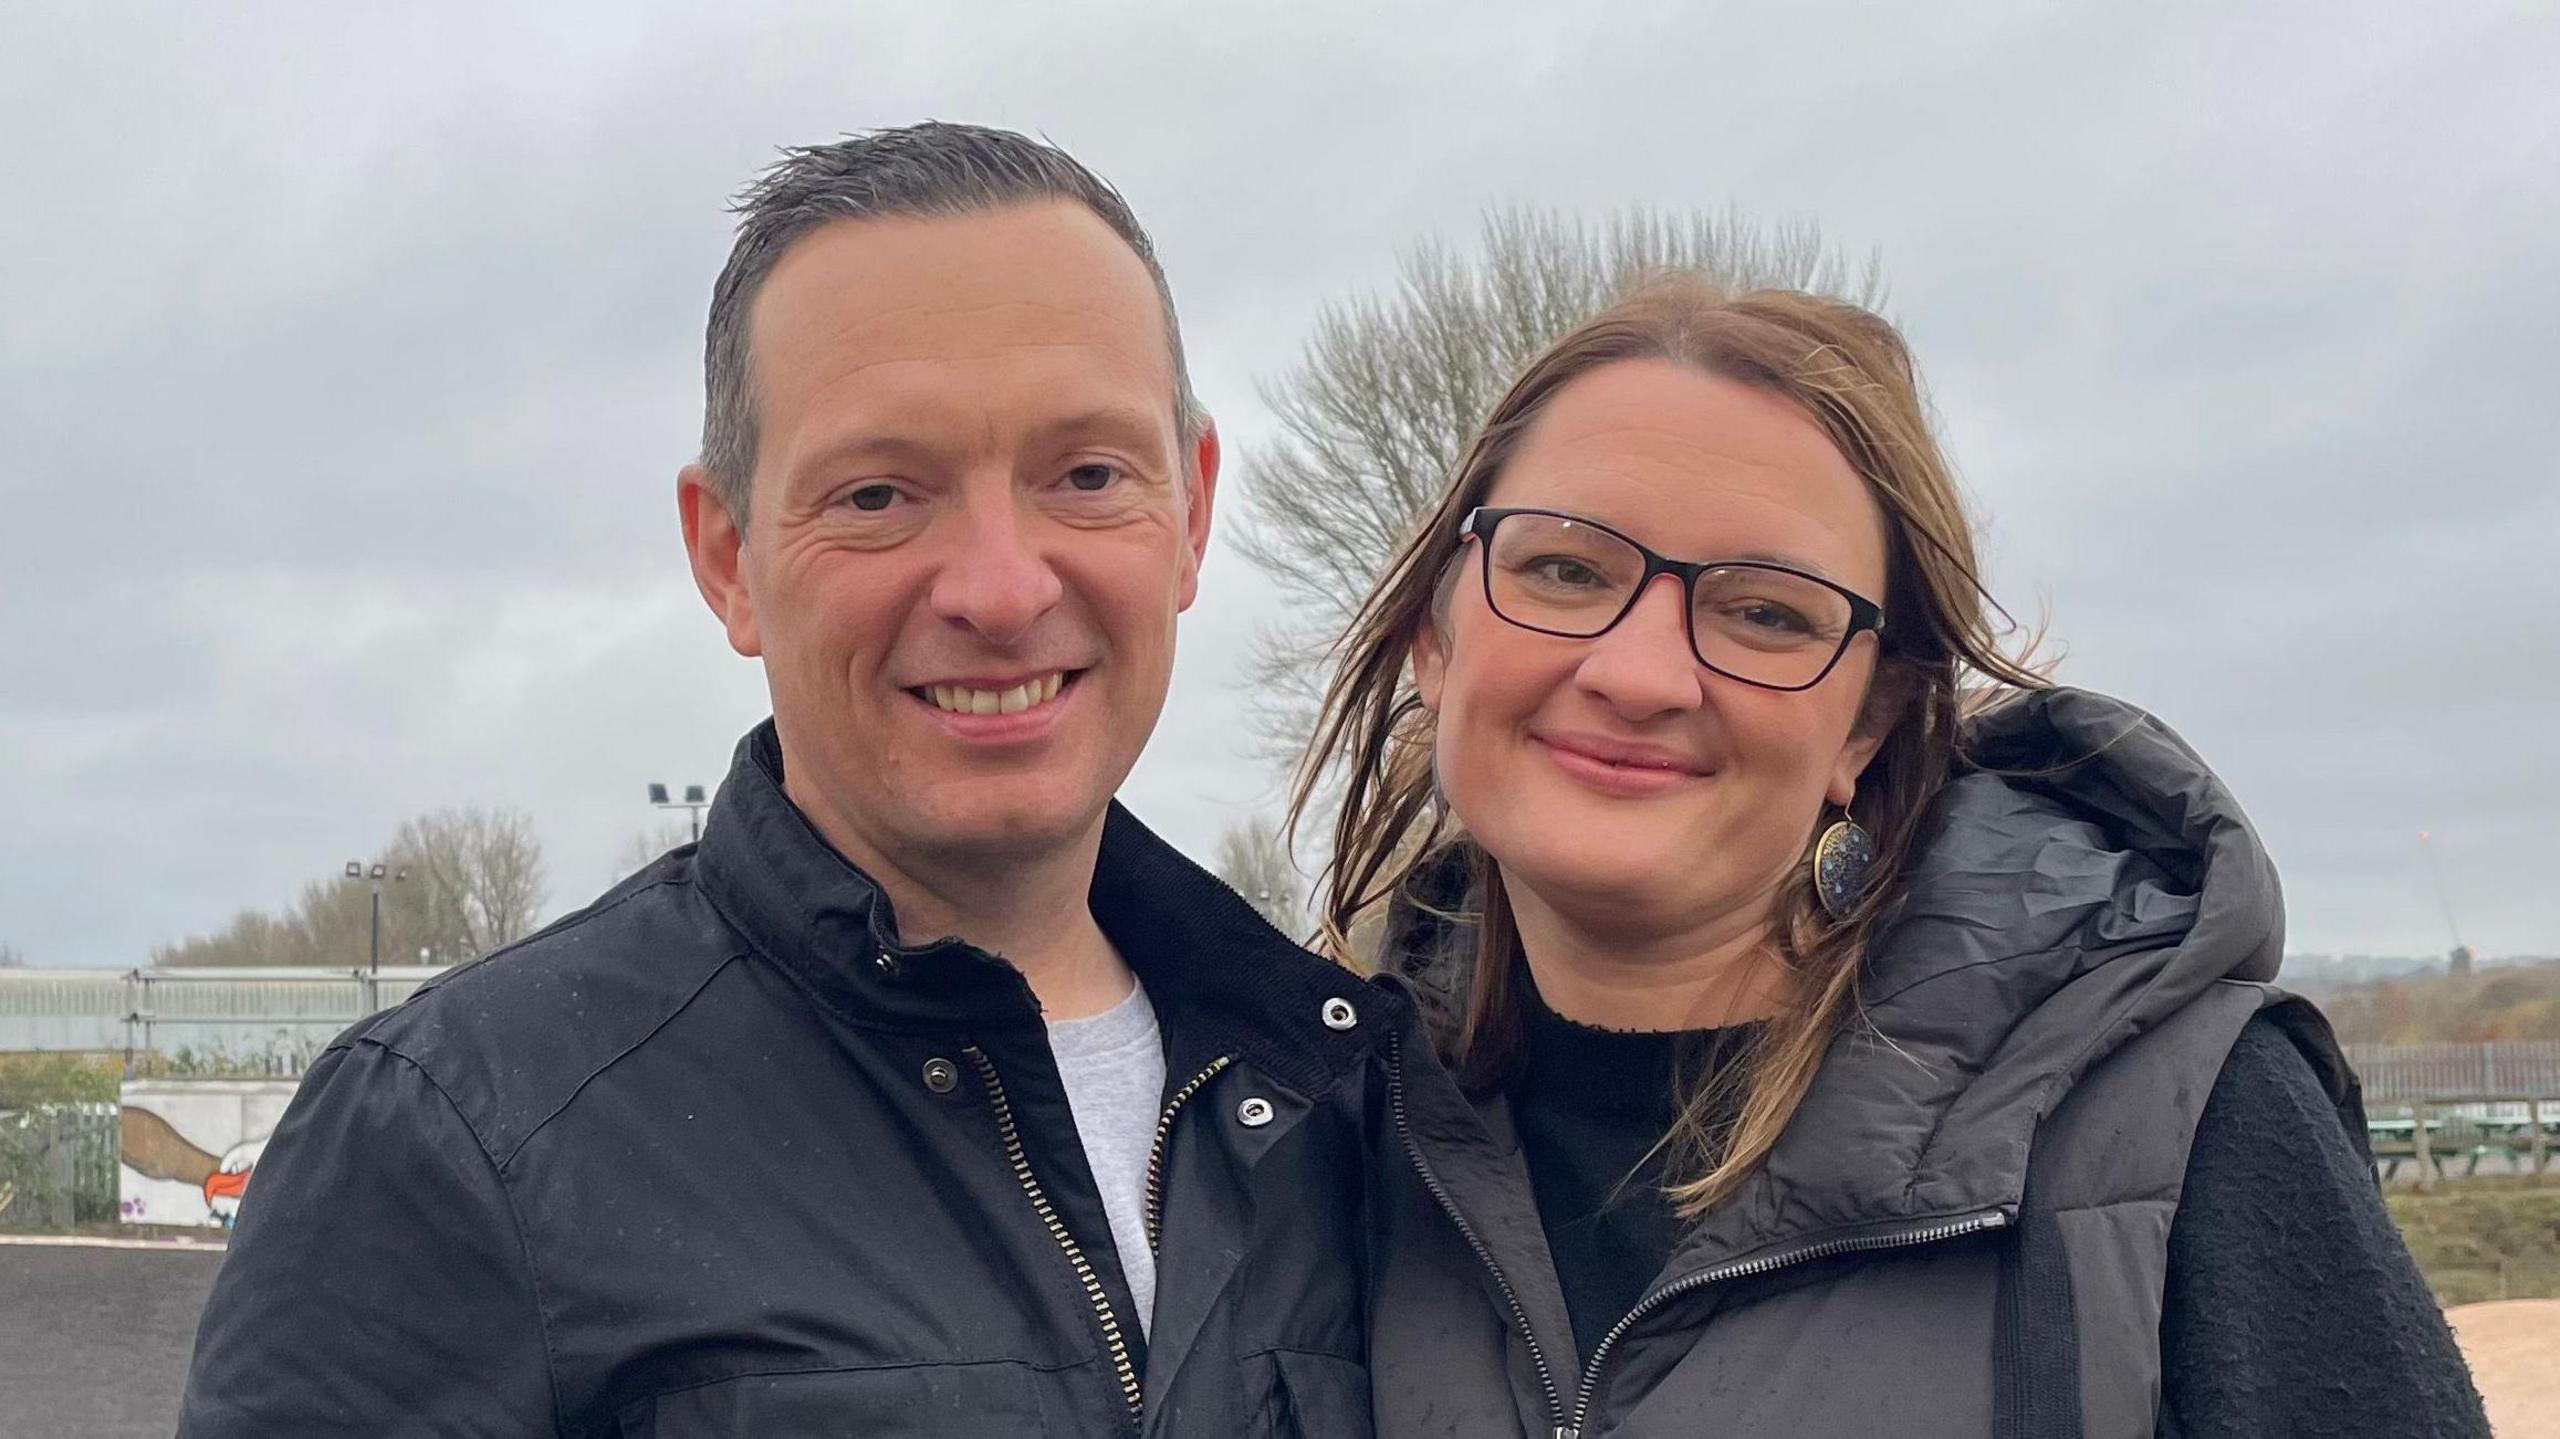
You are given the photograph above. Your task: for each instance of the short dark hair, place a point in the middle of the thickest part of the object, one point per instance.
(932, 169)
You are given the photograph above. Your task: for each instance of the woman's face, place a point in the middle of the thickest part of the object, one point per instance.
(1625, 784)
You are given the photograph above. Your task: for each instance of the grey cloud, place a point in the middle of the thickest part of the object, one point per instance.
(348, 360)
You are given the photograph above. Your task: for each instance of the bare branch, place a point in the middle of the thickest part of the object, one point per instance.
(1255, 861)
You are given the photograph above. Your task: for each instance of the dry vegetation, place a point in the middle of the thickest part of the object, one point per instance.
(2485, 1238)
(2506, 1001)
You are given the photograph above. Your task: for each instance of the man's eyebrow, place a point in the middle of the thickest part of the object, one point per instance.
(1123, 423)
(887, 446)
(1120, 422)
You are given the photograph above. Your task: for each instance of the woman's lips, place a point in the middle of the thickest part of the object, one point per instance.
(1619, 769)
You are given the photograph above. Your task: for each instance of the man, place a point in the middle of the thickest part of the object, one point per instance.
(929, 1094)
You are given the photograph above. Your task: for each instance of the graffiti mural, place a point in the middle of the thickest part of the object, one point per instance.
(190, 1147)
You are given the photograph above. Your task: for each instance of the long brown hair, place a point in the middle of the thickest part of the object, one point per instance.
(1941, 656)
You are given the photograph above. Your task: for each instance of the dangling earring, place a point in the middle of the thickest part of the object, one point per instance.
(1844, 859)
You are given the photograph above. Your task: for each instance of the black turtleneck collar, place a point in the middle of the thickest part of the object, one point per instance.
(1590, 1105)
(1612, 1071)
(1209, 961)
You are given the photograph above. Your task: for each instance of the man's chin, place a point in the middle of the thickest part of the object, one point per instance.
(1008, 831)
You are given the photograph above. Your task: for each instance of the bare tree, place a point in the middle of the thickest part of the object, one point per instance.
(332, 925)
(1389, 388)
(255, 937)
(1254, 858)
(480, 875)
(456, 884)
(11, 957)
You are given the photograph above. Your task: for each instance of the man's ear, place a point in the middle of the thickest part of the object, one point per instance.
(1199, 498)
(715, 545)
(1888, 704)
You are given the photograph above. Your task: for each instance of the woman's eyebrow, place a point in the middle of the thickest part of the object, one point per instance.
(1772, 557)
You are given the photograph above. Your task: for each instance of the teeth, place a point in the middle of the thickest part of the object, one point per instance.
(959, 699)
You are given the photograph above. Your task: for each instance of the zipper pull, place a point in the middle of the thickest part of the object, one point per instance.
(1565, 1431)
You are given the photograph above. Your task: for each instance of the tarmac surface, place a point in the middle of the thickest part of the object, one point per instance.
(94, 1338)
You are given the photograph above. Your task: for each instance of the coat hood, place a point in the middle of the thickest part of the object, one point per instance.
(2082, 879)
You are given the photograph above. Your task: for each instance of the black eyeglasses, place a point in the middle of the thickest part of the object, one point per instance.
(1762, 624)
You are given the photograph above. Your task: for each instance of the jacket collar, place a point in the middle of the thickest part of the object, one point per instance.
(1212, 966)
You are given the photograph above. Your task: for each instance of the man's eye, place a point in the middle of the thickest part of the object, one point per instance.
(873, 498)
(1093, 478)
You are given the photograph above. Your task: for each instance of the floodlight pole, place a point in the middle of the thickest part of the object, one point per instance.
(357, 869)
(693, 804)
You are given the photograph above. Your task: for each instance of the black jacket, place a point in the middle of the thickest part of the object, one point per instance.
(1965, 1228)
(718, 1155)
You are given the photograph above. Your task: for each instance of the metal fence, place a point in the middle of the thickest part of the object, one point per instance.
(205, 1020)
(58, 1166)
(2503, 1069)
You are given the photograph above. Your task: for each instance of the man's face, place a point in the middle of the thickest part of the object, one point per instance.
(970, 533)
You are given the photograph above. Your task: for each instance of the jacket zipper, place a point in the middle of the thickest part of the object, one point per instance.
(1466, 1231)
(1570, 1426)
(1969, 1224)
(1121, 1366)
(1154, 1209)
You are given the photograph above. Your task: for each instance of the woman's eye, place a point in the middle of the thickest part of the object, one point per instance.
(1556, 569)
(1092, 478)
(1774, 617)
(873, 498)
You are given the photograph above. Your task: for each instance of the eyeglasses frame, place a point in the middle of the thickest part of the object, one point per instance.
(1864, 614)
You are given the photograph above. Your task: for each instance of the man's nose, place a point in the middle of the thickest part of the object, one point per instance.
(995, 579)
(1642, 667)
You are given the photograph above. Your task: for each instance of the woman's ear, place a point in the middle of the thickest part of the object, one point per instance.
(1888, 703)
(1429, 661)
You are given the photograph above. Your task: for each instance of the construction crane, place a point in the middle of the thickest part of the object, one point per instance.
(2458, 959)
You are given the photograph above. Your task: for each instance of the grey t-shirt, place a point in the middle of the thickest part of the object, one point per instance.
(1113, 1066)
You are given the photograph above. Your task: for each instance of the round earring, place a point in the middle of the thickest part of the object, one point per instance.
(1844, 859)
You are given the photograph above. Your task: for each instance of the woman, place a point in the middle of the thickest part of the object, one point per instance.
(1815, 1049)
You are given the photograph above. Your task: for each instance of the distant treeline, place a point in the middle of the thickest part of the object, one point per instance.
(455, 884)
(2504, 1001)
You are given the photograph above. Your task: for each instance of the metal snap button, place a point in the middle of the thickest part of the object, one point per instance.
(1338, 1014)
(886, 963)
(1254, 1113)
(941, 1075)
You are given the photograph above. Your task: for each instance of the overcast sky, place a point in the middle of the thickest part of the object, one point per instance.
(347, 357)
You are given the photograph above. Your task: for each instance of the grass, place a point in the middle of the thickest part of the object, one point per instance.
(2479, 1239)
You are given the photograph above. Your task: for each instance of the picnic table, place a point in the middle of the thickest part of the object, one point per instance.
(2524, 1130)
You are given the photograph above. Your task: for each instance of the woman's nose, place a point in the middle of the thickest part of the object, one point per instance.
(1643, 666)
